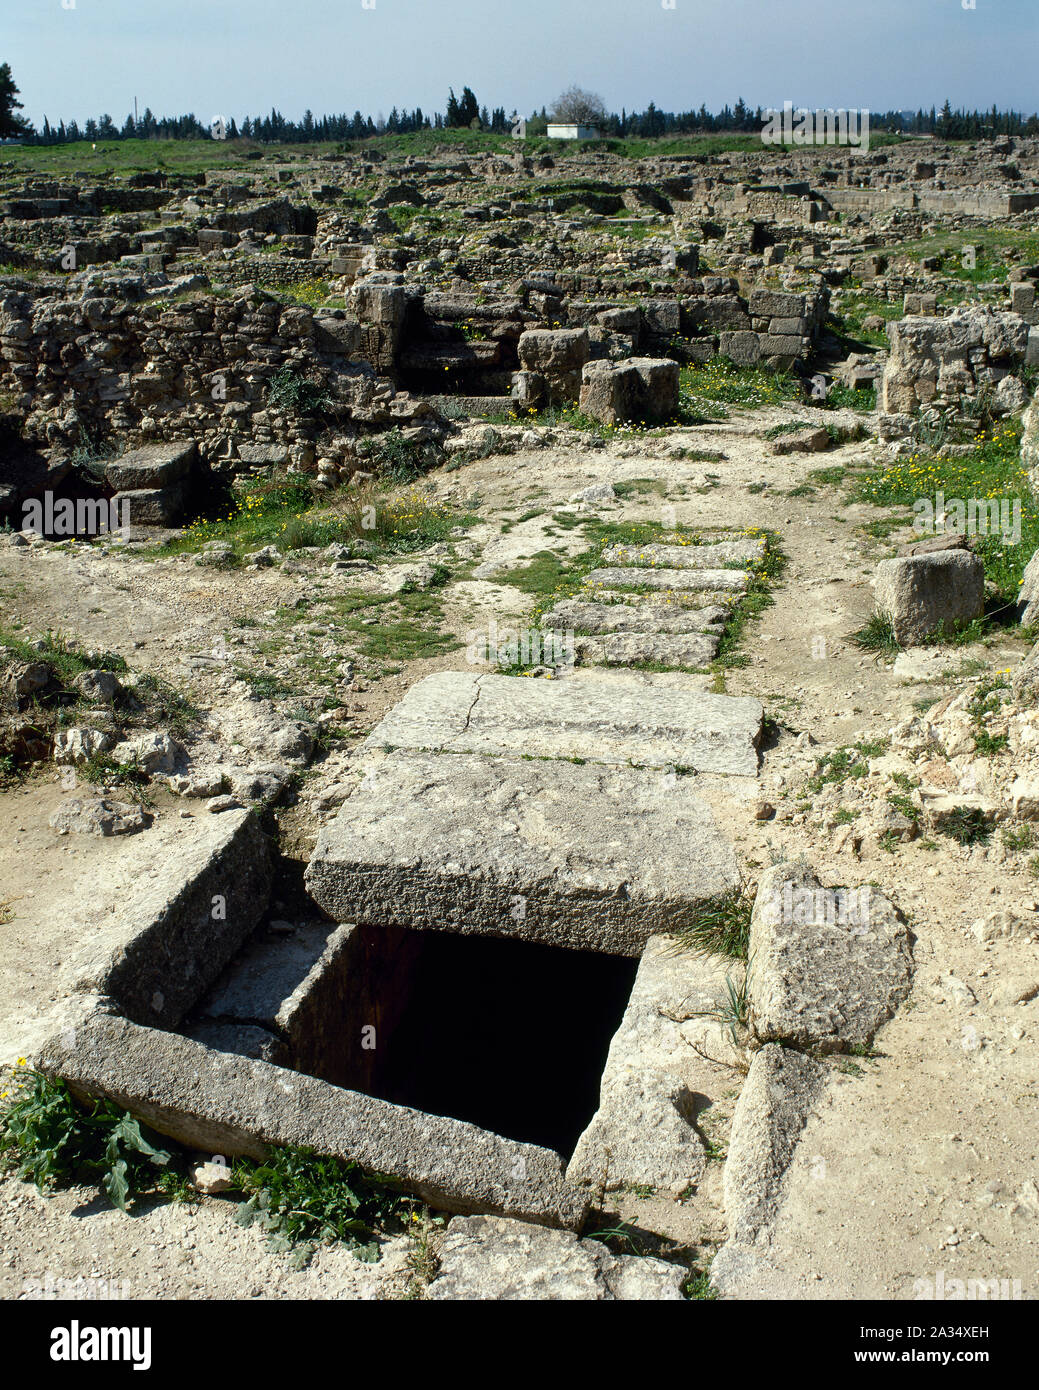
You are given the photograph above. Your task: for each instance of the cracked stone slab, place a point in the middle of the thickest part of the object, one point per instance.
(699, 557)
(620, 720)
(771, 1113)
(657, 1079)
(717, 581)
(582, 856)
(626, 648)
(574, 614)
(488, 1258)
(829, 966)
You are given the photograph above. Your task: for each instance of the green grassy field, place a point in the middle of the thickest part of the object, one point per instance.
(122, 157)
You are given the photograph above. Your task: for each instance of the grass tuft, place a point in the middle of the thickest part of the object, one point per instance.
(721, 928)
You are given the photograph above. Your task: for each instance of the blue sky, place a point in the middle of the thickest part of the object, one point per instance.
(77, 58)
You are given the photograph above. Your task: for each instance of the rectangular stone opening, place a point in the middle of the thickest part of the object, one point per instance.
(501, 1033)
(510, 1036)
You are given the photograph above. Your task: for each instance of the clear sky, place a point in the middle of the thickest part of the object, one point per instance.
(79, 58)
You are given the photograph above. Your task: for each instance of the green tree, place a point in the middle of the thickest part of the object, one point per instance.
(10, 123)
(468, 107)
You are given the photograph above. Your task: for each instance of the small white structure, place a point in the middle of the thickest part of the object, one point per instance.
(572, 131)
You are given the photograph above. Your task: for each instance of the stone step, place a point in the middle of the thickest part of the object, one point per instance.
(665, 601)
(580, 856)
(627, 648)
(256, 985)
(576, 615)
(697, 557)
(619, 719)
(722, 581)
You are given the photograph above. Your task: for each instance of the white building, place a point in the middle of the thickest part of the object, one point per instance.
(572, 131)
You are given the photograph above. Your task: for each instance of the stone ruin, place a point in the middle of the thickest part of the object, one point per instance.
(164, 324)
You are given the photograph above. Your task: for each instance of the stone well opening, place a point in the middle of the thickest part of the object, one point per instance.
(507, 1035)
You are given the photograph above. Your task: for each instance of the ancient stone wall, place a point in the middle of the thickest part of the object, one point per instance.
(940, 361)
(197, 367)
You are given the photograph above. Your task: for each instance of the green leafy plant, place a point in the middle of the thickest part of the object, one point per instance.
(967, 825)
(877, 634)
(838, 766)
(289, 390)
(1017, 837)
(734, 1011)
(302, 1200)
(55, 1138)
(398, 458)
(698, 1286)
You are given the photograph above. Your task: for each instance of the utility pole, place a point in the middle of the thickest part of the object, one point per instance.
(135, 112)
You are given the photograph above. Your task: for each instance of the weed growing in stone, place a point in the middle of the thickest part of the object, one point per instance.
(721, 928)
(289, 390)
(877, 634)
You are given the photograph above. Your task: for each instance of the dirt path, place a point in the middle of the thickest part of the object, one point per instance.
(921, 1157)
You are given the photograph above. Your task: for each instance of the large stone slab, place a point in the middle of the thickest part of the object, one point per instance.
(148, 920)
(1028, 596)
(638, 388)
(657, 1077)
(582, 856)
(226, 1104)
(575, 615)
(150, 506)
(151, 466)
(828, 966)
(615, 720)
(486, 1258)
(192, 910)
(714, 555)
(717, 580)
(666, 601)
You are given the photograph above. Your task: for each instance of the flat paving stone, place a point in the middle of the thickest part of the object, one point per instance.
(575, 855)
(629, 720)
(669, 649)
(699, 557)
(665, 601)
(486, 1259)
(575, 615)
(720, 581)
